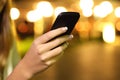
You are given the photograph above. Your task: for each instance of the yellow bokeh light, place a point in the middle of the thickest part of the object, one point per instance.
(45, 8)
(117, 12)
(109, 33)
(14, 13)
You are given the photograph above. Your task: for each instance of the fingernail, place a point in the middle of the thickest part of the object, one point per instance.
(65, 28)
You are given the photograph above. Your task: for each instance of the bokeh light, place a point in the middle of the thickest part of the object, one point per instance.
(86, 7)
(87, 12)
(107, 6)
(109, 33)
(33, 16)
(117, 12)
(45, 8)
(98, 12)
(84, 4)
(14, 13)
(103, 9)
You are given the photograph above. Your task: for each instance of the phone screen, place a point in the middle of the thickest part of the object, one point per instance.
(66, 19)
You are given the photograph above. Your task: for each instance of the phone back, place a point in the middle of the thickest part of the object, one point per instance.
(66, 19)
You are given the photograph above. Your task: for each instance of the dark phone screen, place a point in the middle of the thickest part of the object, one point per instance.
(66, 19)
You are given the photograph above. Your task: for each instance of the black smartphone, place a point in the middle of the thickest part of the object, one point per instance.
(66, 19)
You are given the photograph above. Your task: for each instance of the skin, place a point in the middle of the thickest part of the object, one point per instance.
(41, 55)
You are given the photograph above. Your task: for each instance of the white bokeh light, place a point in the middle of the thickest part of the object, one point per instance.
(45, 8)
(33, 16)
(107, 6)
(98, 12)
(109, 33)
(87, 12)
(14, 13)
(103, 9)
(117, 12)
(86, 4)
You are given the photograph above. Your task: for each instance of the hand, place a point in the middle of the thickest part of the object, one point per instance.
(42, 53)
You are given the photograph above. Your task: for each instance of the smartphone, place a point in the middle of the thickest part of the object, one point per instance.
(66, 19)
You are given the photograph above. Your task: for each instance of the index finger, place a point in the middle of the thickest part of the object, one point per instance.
(51, 34)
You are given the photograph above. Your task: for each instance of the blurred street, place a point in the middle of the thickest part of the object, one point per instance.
(91, 60)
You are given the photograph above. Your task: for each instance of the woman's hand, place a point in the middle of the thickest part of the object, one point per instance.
(42, 54)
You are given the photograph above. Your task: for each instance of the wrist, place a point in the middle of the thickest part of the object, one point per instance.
(20, 73)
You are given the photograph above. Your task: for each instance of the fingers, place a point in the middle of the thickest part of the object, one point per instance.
(48, 56)
(48, 52)
(54, 43)
(51, 34)
(50, 62)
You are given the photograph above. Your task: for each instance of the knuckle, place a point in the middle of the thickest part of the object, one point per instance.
(42, 58)
(60, 49)
(37, 47)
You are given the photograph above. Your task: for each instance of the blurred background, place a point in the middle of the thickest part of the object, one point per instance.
(93, 54)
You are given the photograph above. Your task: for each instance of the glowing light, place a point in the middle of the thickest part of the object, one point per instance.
(14, 13)
(84, 4)
(87, 12)
(98, 12)
(58, 10)
(103, 9)
(109, 33)
(117, 12)
(45, 8)
(107, 6)
(33, 16)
